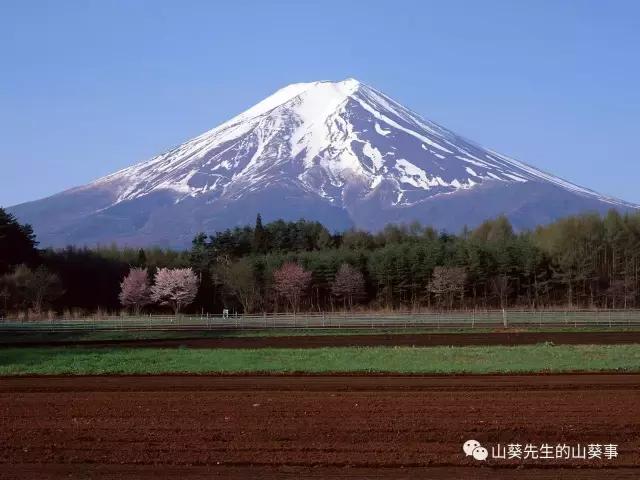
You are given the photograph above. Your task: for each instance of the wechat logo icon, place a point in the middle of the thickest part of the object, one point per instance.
(472, 448)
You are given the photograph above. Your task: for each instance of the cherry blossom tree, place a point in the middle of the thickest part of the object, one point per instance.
(291, 281)
(135, 291)
(348, 284)
(175, 287)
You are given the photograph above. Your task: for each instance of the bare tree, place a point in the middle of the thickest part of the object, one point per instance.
(447, 283)
(348, 284)
(501, 286)
(45, 287)
(290, 281)
(621, 292)
(5, 294)
(135, 291)
(239, 278)
(32, 288)
(174, 287)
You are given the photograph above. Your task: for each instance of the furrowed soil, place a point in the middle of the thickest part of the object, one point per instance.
(373, 340)
(312, 426)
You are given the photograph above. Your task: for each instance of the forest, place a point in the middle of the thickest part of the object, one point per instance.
(584, 261)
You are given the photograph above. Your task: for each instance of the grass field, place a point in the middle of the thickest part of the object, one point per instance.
(405, 360)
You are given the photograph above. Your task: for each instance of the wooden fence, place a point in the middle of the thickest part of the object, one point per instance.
(430, 320)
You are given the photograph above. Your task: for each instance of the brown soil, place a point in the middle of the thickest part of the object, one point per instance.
(374, 340)
(320, 427)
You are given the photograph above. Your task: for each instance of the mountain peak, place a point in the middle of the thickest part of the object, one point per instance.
(323, 90)
(337, 151)
(347, 82)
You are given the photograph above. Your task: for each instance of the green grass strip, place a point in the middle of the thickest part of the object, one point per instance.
(406, 360)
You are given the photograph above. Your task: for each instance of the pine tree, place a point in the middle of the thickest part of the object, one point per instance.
(142, 258)
(259, 236)
(17, 242)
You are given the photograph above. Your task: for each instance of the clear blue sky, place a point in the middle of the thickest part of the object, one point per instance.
(88, 87)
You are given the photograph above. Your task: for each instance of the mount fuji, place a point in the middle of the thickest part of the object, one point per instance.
(341, 153)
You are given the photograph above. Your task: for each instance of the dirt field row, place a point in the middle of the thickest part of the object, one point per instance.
(321, 427)
(418, 340)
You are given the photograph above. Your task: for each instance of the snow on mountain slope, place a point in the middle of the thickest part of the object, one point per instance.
(340, 147)
(322, 136)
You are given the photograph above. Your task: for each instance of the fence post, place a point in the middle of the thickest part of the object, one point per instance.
(504, 318)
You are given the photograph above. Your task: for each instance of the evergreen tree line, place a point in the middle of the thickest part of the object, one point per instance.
(584, 261)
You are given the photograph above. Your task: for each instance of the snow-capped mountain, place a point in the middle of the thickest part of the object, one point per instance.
(342, 153)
